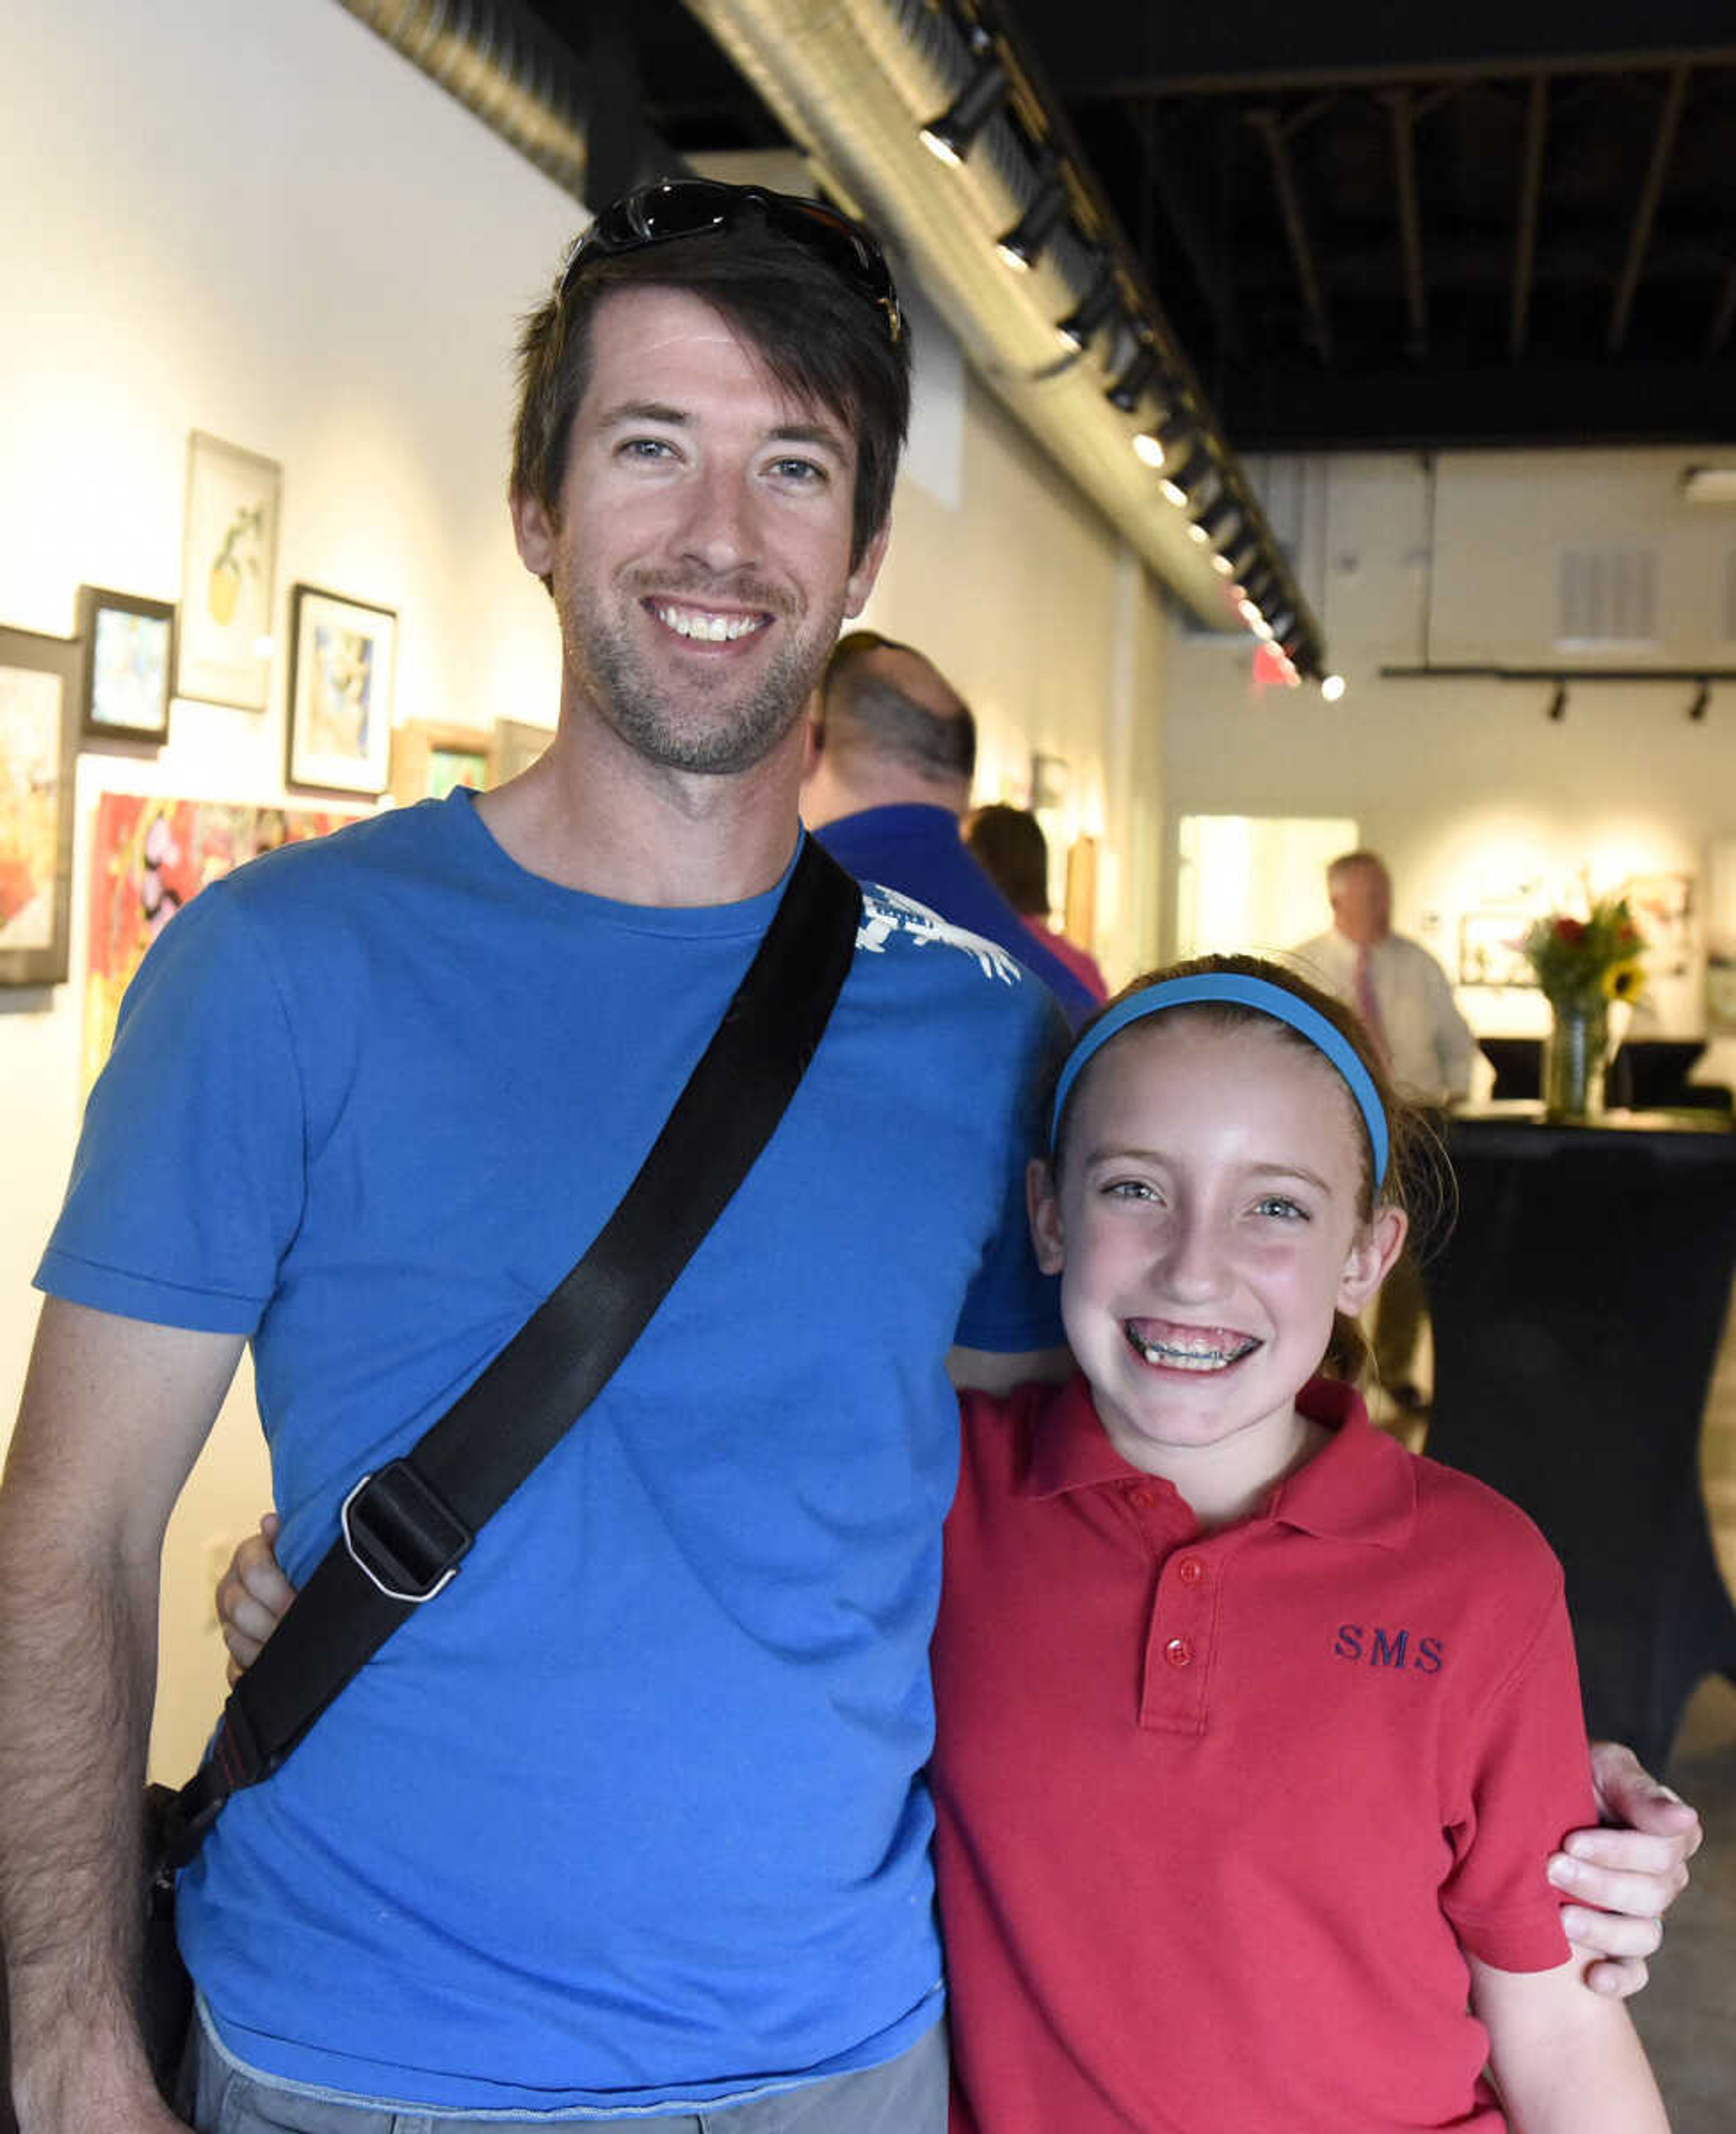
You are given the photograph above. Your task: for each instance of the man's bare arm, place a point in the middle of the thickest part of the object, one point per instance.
(987, 1371)
(113, 1417)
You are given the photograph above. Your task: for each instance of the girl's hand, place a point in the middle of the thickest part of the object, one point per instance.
(251, 1597)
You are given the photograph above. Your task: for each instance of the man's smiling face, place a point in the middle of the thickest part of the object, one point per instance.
(701, 566)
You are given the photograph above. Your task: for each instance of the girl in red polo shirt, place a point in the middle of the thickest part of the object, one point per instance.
(1256, 1730)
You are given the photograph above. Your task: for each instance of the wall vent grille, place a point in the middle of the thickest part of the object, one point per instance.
(1608, 598)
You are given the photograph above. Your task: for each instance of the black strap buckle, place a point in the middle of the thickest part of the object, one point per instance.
(401, 1535)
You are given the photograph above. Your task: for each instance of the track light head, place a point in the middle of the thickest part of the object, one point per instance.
(1129, 387)
(1091, 312)
(1158, 442)
(953, 135)
(1558, 703)
(1702, 700)
(1181, 484)
(1215, 524)
(1024, 243)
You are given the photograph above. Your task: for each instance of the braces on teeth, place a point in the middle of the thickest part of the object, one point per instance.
(1189, 1358)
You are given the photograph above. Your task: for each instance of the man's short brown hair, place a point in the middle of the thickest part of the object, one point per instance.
(819, 339)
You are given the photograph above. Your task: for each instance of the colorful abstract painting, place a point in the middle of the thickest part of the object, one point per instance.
(149, 857)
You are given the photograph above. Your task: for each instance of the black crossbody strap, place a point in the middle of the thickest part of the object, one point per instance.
(407, 1527)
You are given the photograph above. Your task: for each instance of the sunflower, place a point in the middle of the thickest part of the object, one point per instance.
(1624, 982)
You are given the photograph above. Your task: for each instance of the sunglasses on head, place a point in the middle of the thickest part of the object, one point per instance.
(697, 207)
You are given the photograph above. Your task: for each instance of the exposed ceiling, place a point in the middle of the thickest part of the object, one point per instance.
(1367, 224)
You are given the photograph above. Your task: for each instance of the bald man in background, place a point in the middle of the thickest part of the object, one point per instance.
(892, 749)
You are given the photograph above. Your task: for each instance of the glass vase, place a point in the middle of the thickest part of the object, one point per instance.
(1574, 1056)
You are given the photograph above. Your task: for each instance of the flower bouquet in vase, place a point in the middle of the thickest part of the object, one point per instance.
(1584, 966)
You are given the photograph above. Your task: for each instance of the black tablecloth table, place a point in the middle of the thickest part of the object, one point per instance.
(1577, 1305)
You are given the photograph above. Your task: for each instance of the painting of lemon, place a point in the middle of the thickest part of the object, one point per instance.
(238, 556)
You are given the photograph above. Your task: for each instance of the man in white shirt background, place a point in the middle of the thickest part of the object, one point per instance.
(1404, 998)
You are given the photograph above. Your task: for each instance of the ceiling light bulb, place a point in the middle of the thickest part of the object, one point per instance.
(1128, 389)
(1076, 330)
(952, 136)
(1024, 243)
(1332, 688)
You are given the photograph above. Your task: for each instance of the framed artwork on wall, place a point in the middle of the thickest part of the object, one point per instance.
(340, 661)
(428, 760)
(228, 567)
(517, 745)
(130, 665)
(1491, 946)
(39, 678)
(148, 858)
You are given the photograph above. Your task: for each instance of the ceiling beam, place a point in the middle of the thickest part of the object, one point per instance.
(1402, 113)
(1530, 195)
(1275, 133)
(1650, 192)
(1162, 178)
(1114, 84)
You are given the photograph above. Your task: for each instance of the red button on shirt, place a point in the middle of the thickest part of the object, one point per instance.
(1190, 1571)
(1142, 1497)
(1178, 1652)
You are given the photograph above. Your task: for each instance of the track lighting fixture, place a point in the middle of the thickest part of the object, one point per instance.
(1181, 484)
(1129, 387)
(1242, 558)
(1212, 529)
(1091, 312)
(1158, 442)
(1558, 703)
(1021, 245)
(1702, 700)
(952, 136)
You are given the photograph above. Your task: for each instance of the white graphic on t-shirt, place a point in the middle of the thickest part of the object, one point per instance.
(886, 912)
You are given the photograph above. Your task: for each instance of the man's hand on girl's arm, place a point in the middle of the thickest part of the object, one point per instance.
(1625, 1874)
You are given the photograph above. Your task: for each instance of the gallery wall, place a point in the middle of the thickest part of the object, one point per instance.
(263, 225)
(1478, 798)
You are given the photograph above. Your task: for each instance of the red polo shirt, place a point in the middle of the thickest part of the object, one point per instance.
(1217, 1813)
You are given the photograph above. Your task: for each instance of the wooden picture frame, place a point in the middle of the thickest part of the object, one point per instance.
(341, 657)
(517, 745)
(229, 562)
(39, 684)
(128, 666)
(429, 760)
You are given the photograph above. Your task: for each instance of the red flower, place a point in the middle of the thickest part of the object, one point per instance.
(1572, 931)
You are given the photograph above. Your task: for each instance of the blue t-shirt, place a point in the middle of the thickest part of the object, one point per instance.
(634, 1813)
(917, 851)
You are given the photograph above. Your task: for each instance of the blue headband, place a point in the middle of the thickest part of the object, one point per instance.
(1277, 1001)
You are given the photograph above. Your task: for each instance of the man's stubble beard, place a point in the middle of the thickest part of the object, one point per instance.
(724, 736)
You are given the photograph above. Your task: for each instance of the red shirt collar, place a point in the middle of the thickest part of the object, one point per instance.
(1360, 1487)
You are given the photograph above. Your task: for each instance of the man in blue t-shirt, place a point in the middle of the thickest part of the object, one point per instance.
(630, 1823)
(890, 753)
(631, 1820)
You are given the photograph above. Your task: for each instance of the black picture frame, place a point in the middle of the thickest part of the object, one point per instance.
(38, 766)
(128, 675)
(342, 662)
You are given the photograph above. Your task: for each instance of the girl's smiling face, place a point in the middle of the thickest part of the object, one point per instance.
(1208, 1221)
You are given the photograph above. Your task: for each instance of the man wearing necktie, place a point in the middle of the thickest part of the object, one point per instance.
(1406, 1002)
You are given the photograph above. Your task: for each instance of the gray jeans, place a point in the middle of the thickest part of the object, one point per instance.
(906, 2096)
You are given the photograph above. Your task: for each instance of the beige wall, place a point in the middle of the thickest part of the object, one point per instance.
(262, 223)
(1056, 635)
(1466, 786)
